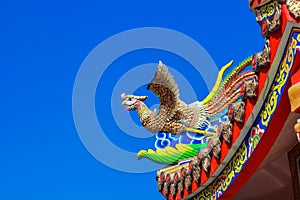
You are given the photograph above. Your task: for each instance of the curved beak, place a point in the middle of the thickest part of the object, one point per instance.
(123, 102)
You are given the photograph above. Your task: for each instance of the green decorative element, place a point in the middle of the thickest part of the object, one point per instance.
(221, 82)
(242, 65)
(198, 146)
(171, 155)
(255, 141)
(177, 117)
(218, 84)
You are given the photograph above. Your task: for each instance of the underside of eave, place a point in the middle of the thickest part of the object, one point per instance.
(273, 178)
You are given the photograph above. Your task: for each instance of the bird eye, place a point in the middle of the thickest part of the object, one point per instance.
(129, 99)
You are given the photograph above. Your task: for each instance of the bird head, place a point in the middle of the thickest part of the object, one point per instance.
(131, 101)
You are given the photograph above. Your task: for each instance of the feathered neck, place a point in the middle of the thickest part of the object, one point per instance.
(143, 110)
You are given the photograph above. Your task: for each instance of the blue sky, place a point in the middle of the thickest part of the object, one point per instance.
(43, 45)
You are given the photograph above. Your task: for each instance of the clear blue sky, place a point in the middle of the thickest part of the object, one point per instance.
(43, 44)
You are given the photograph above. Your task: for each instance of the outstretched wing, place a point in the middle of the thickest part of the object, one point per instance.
(164, 86)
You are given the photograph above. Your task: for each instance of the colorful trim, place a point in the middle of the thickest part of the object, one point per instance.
(233, 168)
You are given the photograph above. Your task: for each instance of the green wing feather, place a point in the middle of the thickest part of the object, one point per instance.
(222, 82)
(242, 65)
(217, 85)
(171, 155)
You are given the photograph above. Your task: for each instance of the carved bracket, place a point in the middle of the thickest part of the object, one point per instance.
(225, 130)
(249, 88)
(214, 144)
(160, 181)
(261, 59)
(236, 112)
(205, 159)
(167, 185)
(294, 7)
(197, 173)
(268, 17)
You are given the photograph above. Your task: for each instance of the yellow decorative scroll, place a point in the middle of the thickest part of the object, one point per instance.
(280, 81)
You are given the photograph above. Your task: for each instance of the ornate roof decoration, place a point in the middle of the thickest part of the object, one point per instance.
(208, 143)
(294, 7)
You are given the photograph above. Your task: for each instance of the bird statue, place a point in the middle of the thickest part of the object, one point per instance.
(174, 115)
(225, 101)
